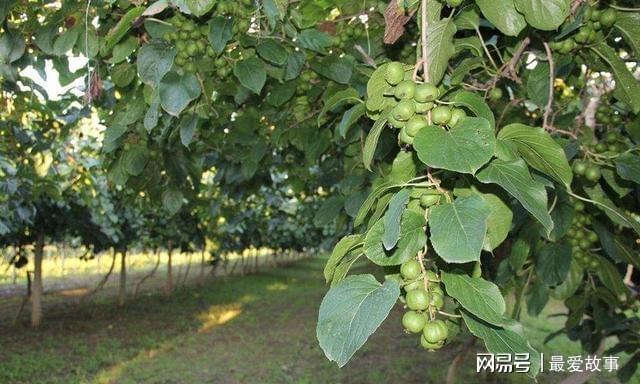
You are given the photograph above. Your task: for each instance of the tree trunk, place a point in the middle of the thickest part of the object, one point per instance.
(169, 287)
(24, 302)
(36, 296)
(203, 266)
(148, 276)
(122, 293)
(104, 280)
(186, 272)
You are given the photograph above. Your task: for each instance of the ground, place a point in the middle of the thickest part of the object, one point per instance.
(251, 329)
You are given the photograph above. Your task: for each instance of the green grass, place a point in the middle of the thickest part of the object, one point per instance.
(258, 329)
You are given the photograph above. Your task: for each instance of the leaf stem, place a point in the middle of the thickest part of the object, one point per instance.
(449, 314)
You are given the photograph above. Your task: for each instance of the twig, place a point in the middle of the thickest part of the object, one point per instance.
(451, 373)
(365, 56)
(552, 76)
(423, 40)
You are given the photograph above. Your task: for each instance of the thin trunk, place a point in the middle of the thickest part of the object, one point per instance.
(233, 267)
(122, 292)
(186, 272)
(104, 280)
(256, 262)
(169, 287)
(36, 296)
(148, 276)
(24, 302)
(203, 266)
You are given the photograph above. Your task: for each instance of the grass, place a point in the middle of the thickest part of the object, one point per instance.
(258, 328)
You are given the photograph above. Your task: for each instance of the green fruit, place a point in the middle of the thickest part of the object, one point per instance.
(410, 270)
(595, 15)
(614, 148)
(432, 276)
(429, 200)
(457, 114)
(405, 90)
(584, 244)
(394, 73)
(578, 206)
(437, 301)
(608, 17)
(413, 321)
(415, 124)
(579, 167)
(418, 299)
(426, 92)
(568, 45)
(395, 123)
(583, 35)
(430, 346)
(592, 173)
(192, 49)
(594, 264)
(616, 119)
(441, 115)
(404, 110)
(611, 137)
(413, 285)
(600, 147)
(495, 94)
(423, 107)
(592, 237)
(404, 137)
(435, 331)
(454, 3)
(587, 13)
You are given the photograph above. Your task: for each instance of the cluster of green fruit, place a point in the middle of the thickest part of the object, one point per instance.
(587, 169)
(241, 10)
(606, 115)
(301, 108)
(413, 103)
(594, 20)
(307, 79)
(422, 199)
(191, 42)
(423, 301)
(581, 238)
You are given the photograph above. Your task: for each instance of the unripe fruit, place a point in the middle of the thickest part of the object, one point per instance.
(582, 36)
(413, 285)
(612, 137)
(411, 269)
(495, 94)
(454, 3)
(415, 124)
(394, 122)
(404, 137)
(457, 114)
(432, 276)
(608, 17)
(441, 115)
(404, 110)
(394, 73)
(423, 107)
(592, 173)
(413, 321)
(431, 346)
(601, 147)
(595, 15)
(579, 167)
(429, 200)
(426, 92)
(437, 301)
(405, 90)
(435, 331)
(418, 299)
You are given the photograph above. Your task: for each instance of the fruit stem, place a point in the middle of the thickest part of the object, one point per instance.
(424, 24)
(449, 314)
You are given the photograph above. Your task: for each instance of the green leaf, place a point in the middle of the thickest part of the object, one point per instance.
(628, 167)
(476, 104)
(12, 47)
(348, 95)
(519, 253)
(515, 178)
(220, 32)
(371, 142)
(350, 117)
(368, 203)
(412, 240)
(544, 14)
(502, 340)
(614, 247)
(281, 93)
(476, 295)
(403, 168)
(615, 182)
(341, 249)
(65, 42)
(552, 262)
(123, 74)
(377, 87)
(498, 222)
(597, 194)
(392, 217)
(464, 148)
(571, 283)
(314, 40)
(252, 73)
(111, 137)
(610, 277)
(200, 7)
(338, 69)
(154, 61)
(538, 84)
(172, 200)
(458, 229)
(124, 50)
(135, 160)
(440, 48)
(176, 92)
(187, 128)
(537, 298)
(345, 265)
(295, 63)
(627, 86)
(467, 18)
(273, 52)
(503, 14)
(539, 150)
(350, 312)
(329, 210)
(628, 23)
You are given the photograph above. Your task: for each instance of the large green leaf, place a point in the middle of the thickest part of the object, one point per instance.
(12, 47)
(440, 47)
(371, 142)
(350, 312)
(392, 217)
(610, 277)
(627, 86)
(330, 208)
(515, 178)
(154, 61)
(476, 295)
(628, 23)
(498, 222)
(615, 247)
(503, 14)
(476, 104)
(539, 150)
(503, 340)
(252, 73)
(538, 84)
(464, 148)
(273, 52)
(341, 249)
(176, 92)
(220, 32)
(570, 284)
(544, 14)
(458, 229)
(350, 117)
(597, 194)
(338, 69)
(628, 167)
(412, 240)
(200, 7)
(341, 97)
(172, 200)
(552, 262)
